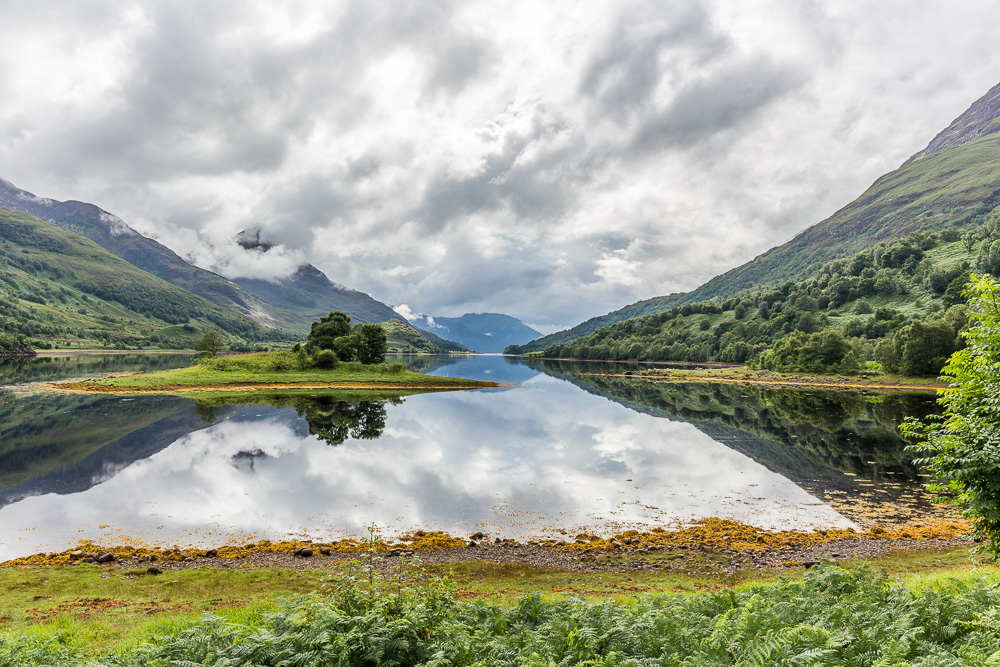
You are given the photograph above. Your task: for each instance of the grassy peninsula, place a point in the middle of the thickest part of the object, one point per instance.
(269, 371)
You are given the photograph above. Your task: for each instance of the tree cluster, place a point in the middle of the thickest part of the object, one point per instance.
(851, 305)
(332, 339)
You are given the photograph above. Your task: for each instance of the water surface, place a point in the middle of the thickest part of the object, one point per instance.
(562, 451)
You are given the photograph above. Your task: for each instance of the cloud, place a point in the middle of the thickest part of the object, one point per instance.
(551, 161)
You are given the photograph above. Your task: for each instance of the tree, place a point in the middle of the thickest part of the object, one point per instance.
(325, 331)
(963, 445)
(210, 344)
(372, 344)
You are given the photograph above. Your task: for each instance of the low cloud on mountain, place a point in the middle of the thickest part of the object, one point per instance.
(549, 160)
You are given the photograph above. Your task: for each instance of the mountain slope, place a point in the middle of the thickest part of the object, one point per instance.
(954, 182)
(310, 294)
(482, 332)
(112, 234)
(292, 303)
(403, 338)
(60, 286)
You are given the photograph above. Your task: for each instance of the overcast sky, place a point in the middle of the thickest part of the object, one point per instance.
(551, 160)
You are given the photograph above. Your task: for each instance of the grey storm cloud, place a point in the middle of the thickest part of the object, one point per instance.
(550, 160)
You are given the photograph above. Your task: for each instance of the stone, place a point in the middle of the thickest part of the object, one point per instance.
(153, 570)
(211, 553)
(154, 558)
(472, 543)
(306, 552)
(326, 551)
(477, 536)
(106, 557)
(76, 554)
(394, 552)
(88, 559)
(189, 559)
(497, 541)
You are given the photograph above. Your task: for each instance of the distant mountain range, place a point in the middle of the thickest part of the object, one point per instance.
(291, 303)
(953, 183)
(480, 332)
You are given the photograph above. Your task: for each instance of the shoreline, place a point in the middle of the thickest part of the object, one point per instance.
(734, 540)
(812, 383)
(245, 388)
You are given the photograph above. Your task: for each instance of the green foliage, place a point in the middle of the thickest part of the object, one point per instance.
(324, 332)
(210, 344)
(868, 298)
(963, 448)
(825, 351)
(830, 617)
(14, 343)
(325, 359)
(371, 346)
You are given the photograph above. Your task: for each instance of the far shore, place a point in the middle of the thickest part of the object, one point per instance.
(739, 374)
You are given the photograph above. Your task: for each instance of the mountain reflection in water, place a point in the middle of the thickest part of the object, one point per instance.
(515, 462)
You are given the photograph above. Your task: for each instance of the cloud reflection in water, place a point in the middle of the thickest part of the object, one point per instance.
(512, 463)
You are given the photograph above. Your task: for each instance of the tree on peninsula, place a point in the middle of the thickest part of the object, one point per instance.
(364, 342)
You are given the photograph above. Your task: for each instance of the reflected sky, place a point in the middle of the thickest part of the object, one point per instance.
(512, 463)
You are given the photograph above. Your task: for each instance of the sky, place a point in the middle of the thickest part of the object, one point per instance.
(549, 160)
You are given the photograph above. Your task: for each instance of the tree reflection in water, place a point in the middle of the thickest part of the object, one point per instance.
(334, 421)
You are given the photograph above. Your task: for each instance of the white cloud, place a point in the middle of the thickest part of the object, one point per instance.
(464, 157)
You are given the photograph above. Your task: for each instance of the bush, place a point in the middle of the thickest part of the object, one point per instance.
(326, 359)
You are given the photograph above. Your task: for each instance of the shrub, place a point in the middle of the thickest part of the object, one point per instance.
(326, 359)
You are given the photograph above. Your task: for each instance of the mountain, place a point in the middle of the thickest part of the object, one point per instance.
(292, 303)
(481, 332)
(57, 285)
(310, 294)
(953, 183)
(406, 339)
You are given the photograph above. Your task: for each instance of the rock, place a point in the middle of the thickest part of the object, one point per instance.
(472, 543)
(477, 536)
(393, 552)
(616, 544)
(76, 554)
(325, 551)
(211, 553)
(188, 559)
(497, 541)
(298, 551)
(306, 552)
(153, 570)
(154, 558)
(106, 557)
(88, 559)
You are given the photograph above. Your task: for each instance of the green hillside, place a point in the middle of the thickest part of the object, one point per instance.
(953, 183)
(405, 339)
(898, 304)
(291, 304)
(59, 287)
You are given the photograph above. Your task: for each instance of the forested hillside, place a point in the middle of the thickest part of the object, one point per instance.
(954, 183)
(897, 304)
(60, 288)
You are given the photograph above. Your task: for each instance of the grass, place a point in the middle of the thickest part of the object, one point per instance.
(243, 372)
(93, 610)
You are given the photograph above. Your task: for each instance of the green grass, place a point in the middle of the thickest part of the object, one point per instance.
(274, 368)
(508, 612)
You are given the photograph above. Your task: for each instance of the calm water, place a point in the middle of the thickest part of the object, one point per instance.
(564, 450)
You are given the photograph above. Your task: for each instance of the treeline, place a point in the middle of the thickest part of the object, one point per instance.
(15, 345)
(898, 304)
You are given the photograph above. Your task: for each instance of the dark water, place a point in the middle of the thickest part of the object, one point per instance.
(563, 450)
